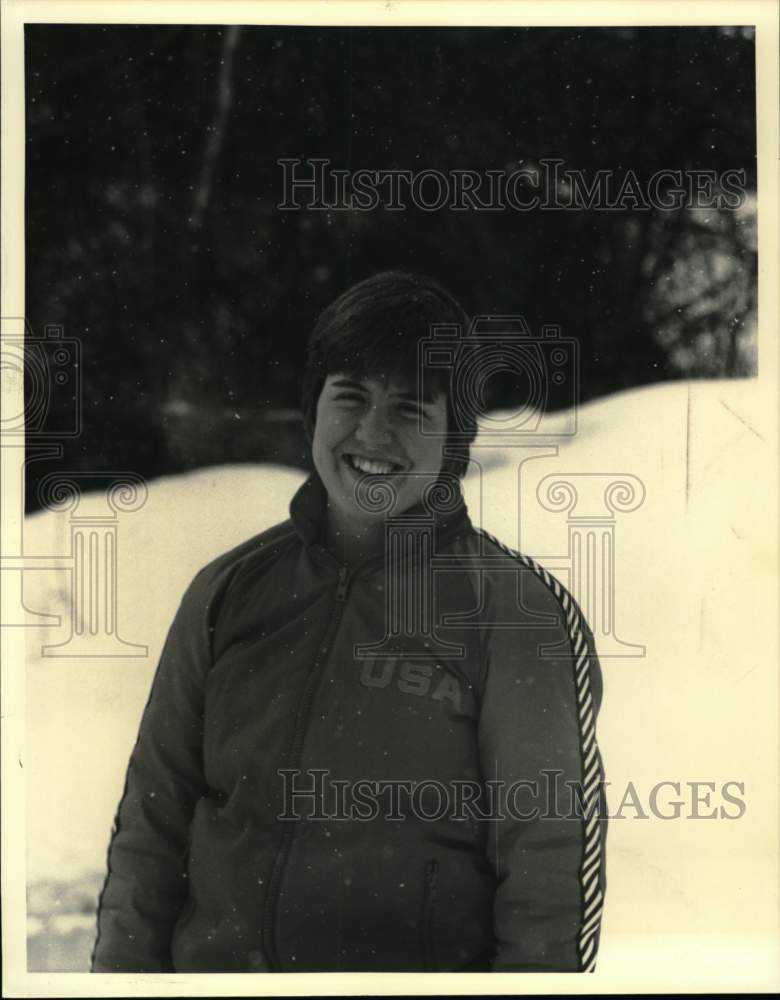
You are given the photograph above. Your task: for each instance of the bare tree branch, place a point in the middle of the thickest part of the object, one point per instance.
(216, 136)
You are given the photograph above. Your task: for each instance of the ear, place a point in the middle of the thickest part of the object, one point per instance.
(308, 420)
(455, 463)
(311, 395)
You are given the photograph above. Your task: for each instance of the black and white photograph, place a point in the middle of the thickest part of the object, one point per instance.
(390, 498)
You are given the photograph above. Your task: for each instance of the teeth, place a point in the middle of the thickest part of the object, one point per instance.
(368, 465)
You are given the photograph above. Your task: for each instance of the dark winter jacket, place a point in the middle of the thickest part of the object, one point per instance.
(391, 768)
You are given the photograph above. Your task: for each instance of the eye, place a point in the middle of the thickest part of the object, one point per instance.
(348, 397)
(412, 411)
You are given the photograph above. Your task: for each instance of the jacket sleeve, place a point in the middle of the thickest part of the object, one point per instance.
(541, 694)
(146, 884)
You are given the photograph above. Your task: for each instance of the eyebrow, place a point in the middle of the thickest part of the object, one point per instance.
(346, 383)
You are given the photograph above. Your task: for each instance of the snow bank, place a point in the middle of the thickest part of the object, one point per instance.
(695, 584)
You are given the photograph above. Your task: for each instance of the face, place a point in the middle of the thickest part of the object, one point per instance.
(380, 431)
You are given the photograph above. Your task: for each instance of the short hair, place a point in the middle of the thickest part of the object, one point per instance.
(373, 331)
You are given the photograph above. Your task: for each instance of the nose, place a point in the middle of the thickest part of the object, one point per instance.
(374, 426)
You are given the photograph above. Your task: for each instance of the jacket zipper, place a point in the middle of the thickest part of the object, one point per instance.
(280, 862)
(429, 902)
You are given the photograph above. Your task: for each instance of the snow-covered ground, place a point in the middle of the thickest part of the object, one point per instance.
(695, 584)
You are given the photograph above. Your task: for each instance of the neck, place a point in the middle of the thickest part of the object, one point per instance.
(352, 540)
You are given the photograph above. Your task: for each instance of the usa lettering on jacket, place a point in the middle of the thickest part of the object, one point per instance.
(413, 678)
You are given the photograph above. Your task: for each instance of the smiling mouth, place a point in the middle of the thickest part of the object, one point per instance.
(371, 466)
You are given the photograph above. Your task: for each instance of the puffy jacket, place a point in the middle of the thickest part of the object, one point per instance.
(319, 786)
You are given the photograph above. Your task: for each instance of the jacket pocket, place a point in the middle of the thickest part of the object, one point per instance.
(430, 889)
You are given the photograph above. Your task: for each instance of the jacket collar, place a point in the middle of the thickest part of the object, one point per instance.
(307, 510)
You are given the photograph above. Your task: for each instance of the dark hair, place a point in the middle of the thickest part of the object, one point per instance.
(373, 331)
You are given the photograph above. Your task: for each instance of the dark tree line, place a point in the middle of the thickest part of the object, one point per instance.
(154, 237)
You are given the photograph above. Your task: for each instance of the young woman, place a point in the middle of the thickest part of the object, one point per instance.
(370, 742)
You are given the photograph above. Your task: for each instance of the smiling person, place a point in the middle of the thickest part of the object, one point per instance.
(371, 426)
(370, 742)
(363, 410)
